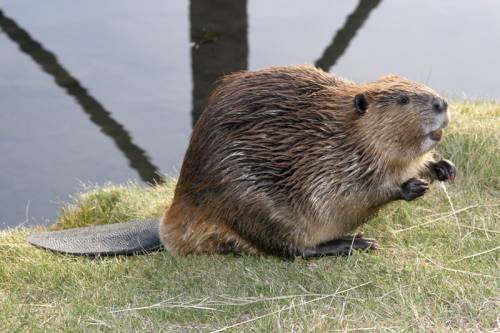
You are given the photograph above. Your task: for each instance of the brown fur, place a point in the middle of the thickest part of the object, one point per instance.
(281, 161)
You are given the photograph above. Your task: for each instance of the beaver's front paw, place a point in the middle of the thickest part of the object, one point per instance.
(413, 188)
(445, 170)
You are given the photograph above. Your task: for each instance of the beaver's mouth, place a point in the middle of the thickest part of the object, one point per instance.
(436, 135)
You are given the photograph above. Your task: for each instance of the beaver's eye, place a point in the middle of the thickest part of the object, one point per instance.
(404, 100)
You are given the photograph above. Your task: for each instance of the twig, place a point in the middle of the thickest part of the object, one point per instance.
(204, 304)
(459, 270)
(443, 186)
(437, 219)
(39, 305)
(481, 229)
(478, 254)
(254, 300)
(145, 307)
(165, 306)
(288, 308)
(468, 272)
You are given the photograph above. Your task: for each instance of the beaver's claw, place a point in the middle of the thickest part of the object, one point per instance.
(445, 170)
(413, 188)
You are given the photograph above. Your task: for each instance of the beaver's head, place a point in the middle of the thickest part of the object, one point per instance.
(400, 117)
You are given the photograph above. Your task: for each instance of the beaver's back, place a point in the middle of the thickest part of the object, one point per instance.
(258, 129)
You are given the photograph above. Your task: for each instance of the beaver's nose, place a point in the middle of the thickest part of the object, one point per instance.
(439, 105)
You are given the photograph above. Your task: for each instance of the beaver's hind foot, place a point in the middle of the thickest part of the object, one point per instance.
(341, 246)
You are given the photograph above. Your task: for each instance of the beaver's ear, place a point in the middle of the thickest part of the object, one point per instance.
(360, 103)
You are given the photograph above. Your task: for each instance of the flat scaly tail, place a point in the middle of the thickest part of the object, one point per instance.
(102, 240)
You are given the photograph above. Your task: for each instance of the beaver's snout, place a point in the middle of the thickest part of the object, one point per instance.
(439, 119)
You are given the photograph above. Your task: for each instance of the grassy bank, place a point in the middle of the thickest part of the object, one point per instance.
(438, 268)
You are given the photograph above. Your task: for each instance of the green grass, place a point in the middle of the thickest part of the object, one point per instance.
(436, 271)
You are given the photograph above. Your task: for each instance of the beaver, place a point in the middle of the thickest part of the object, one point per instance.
(290, 161)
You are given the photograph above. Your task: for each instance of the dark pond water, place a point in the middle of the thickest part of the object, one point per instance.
(97, 91)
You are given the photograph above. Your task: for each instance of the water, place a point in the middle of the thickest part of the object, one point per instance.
(107, 91)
